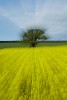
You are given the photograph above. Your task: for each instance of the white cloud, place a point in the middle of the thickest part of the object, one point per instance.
(51, 14)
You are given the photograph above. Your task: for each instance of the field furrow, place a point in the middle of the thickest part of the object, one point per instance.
(38, 73)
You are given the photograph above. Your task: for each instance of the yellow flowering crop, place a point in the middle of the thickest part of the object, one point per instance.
(38, 73)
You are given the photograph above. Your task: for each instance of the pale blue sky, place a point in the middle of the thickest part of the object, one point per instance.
(17, 15)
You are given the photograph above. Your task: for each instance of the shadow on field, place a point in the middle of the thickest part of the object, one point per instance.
(28, 91)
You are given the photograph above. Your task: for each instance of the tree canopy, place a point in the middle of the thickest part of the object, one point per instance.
(33, 35)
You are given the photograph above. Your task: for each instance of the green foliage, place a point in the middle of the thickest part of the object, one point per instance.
(32, 35)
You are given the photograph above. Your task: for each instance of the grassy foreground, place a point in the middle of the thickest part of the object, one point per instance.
(38, 73)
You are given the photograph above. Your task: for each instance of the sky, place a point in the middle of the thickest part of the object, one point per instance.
(18, 15)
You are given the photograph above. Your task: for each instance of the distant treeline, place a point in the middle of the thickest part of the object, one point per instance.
(65, 41)
(10, 41)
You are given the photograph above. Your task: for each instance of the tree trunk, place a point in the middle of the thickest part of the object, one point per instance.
(33, 44)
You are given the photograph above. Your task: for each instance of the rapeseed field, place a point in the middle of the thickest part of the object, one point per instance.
(38, 73)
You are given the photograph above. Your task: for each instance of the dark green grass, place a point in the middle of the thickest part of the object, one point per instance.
(20, 44)
(13, 45)
(52, 43)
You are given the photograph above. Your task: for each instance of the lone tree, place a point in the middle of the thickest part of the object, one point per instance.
(33, 35)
